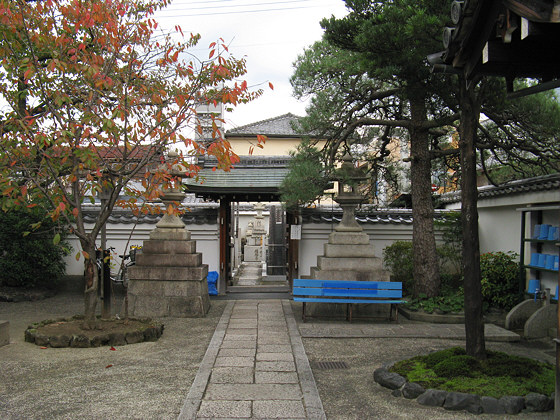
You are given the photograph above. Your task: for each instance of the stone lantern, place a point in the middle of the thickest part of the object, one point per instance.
(169, 278)
(348, 197)
(171, 226)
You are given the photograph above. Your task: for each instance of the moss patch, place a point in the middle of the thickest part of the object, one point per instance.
(497, 376)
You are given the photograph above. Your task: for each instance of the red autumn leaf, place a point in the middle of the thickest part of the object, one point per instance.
(112, 348)
(271, 85)
(108, 366)
(42, 347)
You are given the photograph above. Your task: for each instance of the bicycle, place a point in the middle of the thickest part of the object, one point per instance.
(103, 260)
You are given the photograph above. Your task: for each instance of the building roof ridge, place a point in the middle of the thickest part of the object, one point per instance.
(275, 126)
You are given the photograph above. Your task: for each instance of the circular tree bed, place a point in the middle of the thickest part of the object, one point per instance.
(68, 332)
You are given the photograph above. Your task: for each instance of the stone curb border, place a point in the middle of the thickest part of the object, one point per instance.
(152, 332)
(196, 391)
(311, 399)
(451, 318)
(455, 401)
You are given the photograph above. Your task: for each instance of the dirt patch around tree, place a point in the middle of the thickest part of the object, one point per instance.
(69, 332)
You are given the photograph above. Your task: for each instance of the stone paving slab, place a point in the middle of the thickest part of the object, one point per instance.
(278, 409)
(255, 367)
(252, 392)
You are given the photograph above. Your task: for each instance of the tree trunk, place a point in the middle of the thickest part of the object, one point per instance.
(91, 286)
(474, 323)
(426, 266)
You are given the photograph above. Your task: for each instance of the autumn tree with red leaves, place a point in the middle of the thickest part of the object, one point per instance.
(93, 95)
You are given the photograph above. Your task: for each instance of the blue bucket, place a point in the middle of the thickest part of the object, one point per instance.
(212, 280)
(534, 285)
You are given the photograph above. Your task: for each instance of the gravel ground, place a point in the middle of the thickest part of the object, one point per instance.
(140, 381)
(353, 394)
(151, 380)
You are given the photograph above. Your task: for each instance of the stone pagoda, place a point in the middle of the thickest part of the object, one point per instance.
(169, 278)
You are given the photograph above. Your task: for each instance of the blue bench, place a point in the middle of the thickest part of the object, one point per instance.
(349, 292)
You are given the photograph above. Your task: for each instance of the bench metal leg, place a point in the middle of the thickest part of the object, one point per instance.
(303, 312)
(394, 305)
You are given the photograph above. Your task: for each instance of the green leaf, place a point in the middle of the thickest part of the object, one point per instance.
(56, 239)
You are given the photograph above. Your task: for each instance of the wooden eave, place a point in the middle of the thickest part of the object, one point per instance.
(511, 38)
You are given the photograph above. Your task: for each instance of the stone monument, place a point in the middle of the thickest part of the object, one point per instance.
(255, 250)
(169, 278)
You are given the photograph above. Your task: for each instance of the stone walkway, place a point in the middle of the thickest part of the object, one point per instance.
(255, 367)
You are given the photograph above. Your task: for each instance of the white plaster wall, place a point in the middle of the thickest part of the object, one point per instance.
(205, 235)
(499, 221)
(500, 225)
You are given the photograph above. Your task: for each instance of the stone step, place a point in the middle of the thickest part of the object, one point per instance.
(259, 289)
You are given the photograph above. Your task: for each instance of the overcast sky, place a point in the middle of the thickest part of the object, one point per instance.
(270, 34)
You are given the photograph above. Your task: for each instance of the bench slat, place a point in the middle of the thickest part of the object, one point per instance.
(313, 291)
(345, 284)
(335, 300)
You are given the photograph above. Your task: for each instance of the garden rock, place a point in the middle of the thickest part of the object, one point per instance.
(412, 390)
(100, 340)
(432, 398)
(117, 339)
(492, 405)
(512, 404)
(60, 341)
(80, 341)
(537, 402)
(388, 379)
(134, 337)
(461, 401)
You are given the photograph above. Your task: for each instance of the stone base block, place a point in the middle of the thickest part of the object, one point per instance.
(169, 260)
(162, 299)
(160, 246)
(252, 253)
(370, 275)
(4, 333)
(349, 251)
(352, 264)
(180, 234)
(138, 272)
(349, 238)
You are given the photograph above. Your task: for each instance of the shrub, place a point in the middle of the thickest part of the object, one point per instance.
(436, 357)
(460, 365)
(29, 257)
(502, 364)
(500, 279)
(450, 253)
(398, 259)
